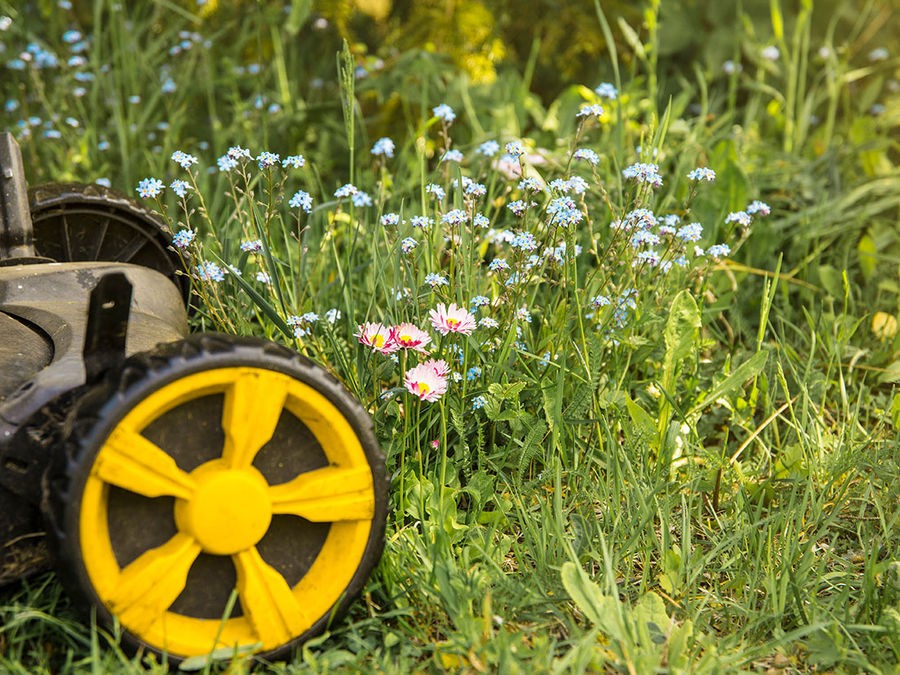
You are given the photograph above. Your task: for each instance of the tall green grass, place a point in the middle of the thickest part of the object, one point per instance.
(711, 486)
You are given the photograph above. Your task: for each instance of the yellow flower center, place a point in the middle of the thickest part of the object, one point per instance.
(378, 340)
(453, 323)
(423, 388)
(406, 338)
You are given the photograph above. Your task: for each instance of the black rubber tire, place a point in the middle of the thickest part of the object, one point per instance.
(75, 222)
(102, 406)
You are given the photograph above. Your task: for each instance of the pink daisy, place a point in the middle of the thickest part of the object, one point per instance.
(452, 319)
(377, 336)
(410, 336)
(424, 382)
(440, 367)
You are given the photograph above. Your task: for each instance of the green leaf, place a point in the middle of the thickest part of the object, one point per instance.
(505, 392)
(732, 180)
(552, 403)
(681, 335)
(584, 593)
(264, 305)
(300, 11)
(865, 134)
(790, 463)
(492, 407)
(608, 398)
(679, 646)
(830, 279)
(826, 647)
(867, 252)
(497, 395)
(891, 374)
(749, 368)
(644, 427)
(601, 610)
(895, 412)
(531, 445)
(561, 114)
(650, 616)
(481, 487)
(665, 582)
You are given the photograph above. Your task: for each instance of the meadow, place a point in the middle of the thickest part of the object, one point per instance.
(630, 344)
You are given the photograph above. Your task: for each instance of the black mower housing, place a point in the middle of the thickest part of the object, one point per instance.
(62, 323)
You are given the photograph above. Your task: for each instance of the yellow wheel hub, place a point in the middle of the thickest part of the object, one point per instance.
(224, 508)
(229, 511)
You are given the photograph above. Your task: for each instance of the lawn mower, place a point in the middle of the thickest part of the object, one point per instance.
(200, 493)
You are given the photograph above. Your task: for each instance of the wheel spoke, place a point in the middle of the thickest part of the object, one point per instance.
(132, 462)
(129, 250)
(98, 235)
(266, 598)
(67, 241)
(327, 495)
(148, 586)
(253, 406)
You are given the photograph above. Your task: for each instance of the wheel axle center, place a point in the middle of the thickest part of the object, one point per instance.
(230, 510)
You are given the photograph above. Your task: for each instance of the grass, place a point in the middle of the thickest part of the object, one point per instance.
(705, 482)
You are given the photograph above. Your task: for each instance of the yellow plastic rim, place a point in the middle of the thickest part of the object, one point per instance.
(223, 507)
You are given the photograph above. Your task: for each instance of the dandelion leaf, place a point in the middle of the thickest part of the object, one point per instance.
(890, 374)
(682, 332)
(601, 610)
(830, 279)
(552, 403)
(680, 640)
(643, 427)
(748, 369)
(481, 488)
(650, 613)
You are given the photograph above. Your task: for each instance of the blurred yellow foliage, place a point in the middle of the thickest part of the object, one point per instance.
(379, 10)
(564, 39)
(464, 31)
